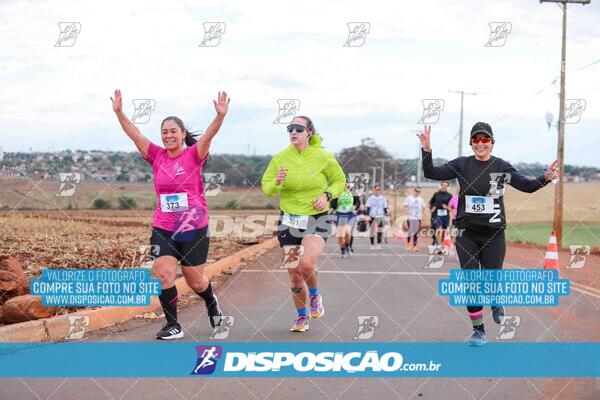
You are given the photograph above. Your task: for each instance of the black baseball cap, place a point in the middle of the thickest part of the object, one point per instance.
(482, 127)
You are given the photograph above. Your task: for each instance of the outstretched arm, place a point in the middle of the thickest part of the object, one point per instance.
(444, 172)
(524, 184)
(221, 106)
(141, 142)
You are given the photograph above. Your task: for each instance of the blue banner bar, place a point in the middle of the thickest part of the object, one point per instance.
(286, 359)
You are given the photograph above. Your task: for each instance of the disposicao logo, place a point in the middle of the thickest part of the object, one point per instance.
(207, 359)
(307, 362)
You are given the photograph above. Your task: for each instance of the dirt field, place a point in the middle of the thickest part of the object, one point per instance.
(581, 203)
(87, 239)
(28, 194)
(582, 200)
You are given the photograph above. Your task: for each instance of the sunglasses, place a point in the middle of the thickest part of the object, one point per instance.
(480, 139)
(295, 127)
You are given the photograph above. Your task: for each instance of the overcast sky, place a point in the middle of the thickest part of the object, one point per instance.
(56, 98)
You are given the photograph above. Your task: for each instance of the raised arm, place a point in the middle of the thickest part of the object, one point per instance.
(141, 142)
(221, 107)
(524, 184)
(442, 173)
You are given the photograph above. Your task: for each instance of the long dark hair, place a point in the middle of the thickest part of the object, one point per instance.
(190, 137)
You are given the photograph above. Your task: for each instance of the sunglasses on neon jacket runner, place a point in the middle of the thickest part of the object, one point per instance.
(295, 127)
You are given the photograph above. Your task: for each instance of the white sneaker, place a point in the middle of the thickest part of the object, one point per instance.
(378, 247)
(372, 247)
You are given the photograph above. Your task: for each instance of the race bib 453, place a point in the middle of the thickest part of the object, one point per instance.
(479, 204)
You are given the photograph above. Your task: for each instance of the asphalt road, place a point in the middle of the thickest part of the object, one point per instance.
(391, 285)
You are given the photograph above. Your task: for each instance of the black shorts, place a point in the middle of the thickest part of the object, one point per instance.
(318, 224)
(190, 247)
(441, 221)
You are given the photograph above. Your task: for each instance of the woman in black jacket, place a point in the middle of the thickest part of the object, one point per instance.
(481, 218)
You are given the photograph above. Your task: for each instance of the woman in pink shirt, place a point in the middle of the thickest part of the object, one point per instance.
(180, 223)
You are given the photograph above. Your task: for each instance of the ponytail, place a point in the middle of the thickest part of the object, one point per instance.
(190, 138)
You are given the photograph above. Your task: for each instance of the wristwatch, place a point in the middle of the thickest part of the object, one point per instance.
(328, 194)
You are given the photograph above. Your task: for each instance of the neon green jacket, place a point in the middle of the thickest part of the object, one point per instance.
(311, 172)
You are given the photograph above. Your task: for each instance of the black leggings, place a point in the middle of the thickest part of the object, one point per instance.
(379, 222)
(480, 251)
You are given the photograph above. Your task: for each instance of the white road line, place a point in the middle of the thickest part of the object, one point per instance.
(378, 254)
(355, 272)
(575, 288)
(578, 287)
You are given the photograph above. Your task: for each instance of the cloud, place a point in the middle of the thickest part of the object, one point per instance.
(288, 50)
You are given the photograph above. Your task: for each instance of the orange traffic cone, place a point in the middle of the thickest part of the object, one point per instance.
(447, 243)
(400, 234)
(551, 258)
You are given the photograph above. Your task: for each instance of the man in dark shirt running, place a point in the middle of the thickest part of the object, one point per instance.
(440, 216)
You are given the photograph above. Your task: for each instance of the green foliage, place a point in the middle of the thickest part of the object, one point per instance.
(101, 204)
(127, 203)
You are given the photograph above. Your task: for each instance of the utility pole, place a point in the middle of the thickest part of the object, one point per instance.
(559, 190)
(419, 159)
(382, 173)
(374, 181)
(395, 192)
(460, 128)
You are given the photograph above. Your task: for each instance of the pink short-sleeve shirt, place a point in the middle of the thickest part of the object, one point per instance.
(177, 175)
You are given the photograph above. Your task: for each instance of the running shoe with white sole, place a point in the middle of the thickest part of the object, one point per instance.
(300, 325)
(169, 332)
(316, 306)
(478, 338)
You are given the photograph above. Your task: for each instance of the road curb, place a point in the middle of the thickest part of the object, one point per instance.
(57, 328)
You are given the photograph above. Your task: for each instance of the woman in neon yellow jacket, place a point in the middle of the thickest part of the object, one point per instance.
(306, 177)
